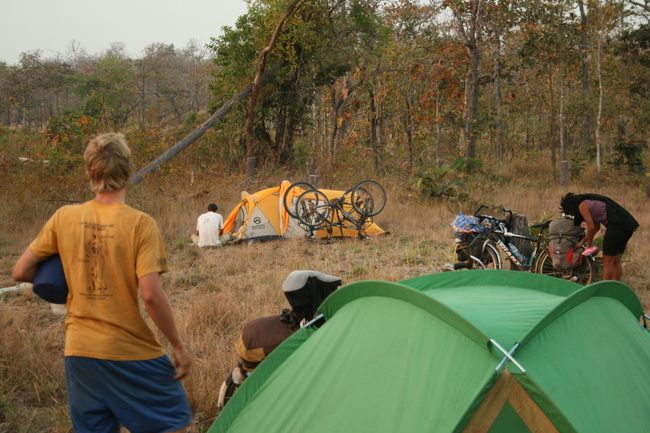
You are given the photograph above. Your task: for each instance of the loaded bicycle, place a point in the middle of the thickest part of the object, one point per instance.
(487, 239)
(353, 210)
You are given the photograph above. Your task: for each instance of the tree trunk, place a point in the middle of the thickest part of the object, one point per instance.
(599, 71)
(336, 106)
(552, 127)
(373, 130)
(470, 112)
(470, 33)
(499, 100)
(585, 77)
(438, 128)
(336, 109)
(564, 166)
(409, 126)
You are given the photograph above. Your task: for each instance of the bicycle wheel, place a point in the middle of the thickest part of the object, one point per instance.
(313, 209)
(289, 195)
(228, 388)
(490, 258)
(584, 273)
(544, 265)
(368, 198)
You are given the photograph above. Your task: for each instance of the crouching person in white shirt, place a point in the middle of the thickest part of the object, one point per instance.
(209, 229)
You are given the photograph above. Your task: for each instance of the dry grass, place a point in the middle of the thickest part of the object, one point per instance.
(214, 291)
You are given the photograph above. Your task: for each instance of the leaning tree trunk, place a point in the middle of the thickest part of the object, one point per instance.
(199, 131)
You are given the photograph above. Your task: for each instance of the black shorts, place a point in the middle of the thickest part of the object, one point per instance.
(615, 239)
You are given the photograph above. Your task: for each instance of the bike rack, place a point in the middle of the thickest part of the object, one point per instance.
(477, 260)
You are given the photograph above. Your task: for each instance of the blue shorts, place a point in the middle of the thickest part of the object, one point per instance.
(141, 395)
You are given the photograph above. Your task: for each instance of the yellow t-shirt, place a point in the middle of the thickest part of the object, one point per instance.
(104, 251)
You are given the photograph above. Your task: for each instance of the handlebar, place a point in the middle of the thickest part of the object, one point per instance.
(479, 208)
(542, 226)
(495, 220)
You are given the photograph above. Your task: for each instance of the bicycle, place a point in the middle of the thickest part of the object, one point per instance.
(353, 210)
(498, 239)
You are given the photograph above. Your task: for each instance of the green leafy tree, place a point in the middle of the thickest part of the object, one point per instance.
(109, 91)
(317, 46)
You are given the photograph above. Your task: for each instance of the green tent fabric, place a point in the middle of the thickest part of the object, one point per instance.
(425, 355)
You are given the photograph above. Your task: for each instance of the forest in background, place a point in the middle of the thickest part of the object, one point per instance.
(394, 87)
(356, 89)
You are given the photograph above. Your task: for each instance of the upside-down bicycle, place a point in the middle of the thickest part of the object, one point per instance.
(353, 210)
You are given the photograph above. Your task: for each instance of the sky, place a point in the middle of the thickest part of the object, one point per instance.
(52, 25)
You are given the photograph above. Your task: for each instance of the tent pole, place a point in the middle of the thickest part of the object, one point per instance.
(314, 320)
(508, 355)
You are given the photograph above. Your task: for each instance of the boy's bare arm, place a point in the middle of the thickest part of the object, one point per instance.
(160, 310)
(26, 267)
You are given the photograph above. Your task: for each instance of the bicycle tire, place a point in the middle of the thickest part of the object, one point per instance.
(227, 390)
(289, 194)
(584, 273)
(368, 198)
(313, 209)
(490, 257)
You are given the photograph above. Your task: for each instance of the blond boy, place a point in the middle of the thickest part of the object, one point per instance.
(117, 372)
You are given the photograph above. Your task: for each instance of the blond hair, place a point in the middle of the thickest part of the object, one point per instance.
(108, 162)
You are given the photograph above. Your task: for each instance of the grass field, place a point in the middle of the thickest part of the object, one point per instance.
(214, 290)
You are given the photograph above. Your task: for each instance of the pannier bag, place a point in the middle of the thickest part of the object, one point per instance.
(469, 244)
(563, 236)
(469, 232)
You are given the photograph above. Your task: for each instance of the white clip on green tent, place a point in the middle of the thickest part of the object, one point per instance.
(476, 351)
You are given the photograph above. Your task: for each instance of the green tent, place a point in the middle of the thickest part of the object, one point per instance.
(475, 351)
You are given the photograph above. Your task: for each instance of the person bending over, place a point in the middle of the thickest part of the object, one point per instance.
(116, 370)
(596, 210)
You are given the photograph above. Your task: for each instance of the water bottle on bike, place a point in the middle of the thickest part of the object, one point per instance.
(520, 257)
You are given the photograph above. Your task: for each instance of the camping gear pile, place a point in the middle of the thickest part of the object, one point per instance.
(483, 351)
